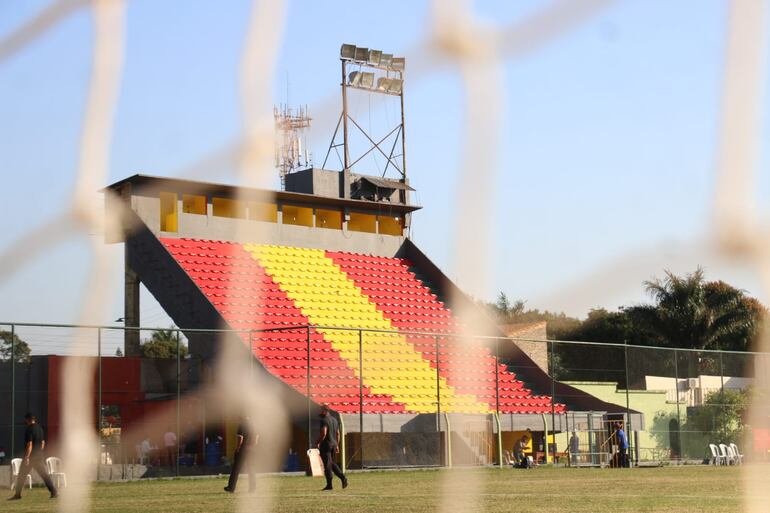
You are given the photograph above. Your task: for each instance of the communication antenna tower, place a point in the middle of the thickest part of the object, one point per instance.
(291, 147)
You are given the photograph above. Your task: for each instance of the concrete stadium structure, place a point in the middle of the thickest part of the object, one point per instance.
(177, 229)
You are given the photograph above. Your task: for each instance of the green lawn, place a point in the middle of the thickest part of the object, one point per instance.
(541, 490)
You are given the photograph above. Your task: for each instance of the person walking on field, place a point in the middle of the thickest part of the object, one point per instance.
(329, 444)
(245, 445)
(34, 446)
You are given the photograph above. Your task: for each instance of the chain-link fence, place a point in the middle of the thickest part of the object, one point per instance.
(612, 405)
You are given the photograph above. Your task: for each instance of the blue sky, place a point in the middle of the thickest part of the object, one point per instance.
(607, 164)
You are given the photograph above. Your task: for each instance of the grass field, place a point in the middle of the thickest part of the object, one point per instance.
(541, 490)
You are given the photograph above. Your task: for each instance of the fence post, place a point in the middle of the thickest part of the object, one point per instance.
(99, 405)
(13, 391)
(497, 376)
(678, 413)
(553, 406)
(438, 396)
(178, 397)
(449, 440)
(497, 403)
(628, 405)
(722, 392)
(343, 446)
(309, 426)
(438, 386)
(569, 438)
(361, 393)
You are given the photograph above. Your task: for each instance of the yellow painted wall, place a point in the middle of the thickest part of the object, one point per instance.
(301, 216)
(328, 219)
(265, 212)
(193, 204)
(225, 207)
(390, 225)
(168, 212)
(362, 223)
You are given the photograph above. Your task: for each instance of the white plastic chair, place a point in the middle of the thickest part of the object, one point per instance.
(139, 454)
(55, 470)
(737, 454)
(15, 468)
(716, 459)
(728, 460)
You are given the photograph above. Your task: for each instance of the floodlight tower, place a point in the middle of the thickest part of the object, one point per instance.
(373, 72)
(291, 148)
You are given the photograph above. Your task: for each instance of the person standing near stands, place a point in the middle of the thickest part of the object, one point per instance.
(245, 445)
(169, 442)
(622, 445)
(519, 449)
(34, 446)
(329, 444)
(574, 448)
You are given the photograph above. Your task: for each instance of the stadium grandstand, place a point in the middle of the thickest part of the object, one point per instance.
(332, 299)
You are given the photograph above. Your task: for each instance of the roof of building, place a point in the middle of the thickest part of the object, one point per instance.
(384, 183)
(200, 187)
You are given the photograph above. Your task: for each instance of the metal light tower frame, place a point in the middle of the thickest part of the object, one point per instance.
(389, 72)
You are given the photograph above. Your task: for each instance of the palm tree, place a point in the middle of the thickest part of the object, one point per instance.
(694, 314)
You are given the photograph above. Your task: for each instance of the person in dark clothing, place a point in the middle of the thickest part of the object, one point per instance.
(245, 445)
(622, 445)
(34, 447)
(329, 444)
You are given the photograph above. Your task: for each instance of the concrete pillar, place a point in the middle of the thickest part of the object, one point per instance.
(131, 310)
(345, 183)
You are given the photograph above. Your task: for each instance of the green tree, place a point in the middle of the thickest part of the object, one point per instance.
(516, 312)
(718, 420)
(502, 306)
(163, 344)
(20, 350)
(690, 313)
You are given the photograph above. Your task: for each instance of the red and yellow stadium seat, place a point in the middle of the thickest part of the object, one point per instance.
(258, 287)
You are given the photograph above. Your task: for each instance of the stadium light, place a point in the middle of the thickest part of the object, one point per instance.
(362, 54)
(348, 52)
(374, 57)
(367, 80)
(390, 85)
(361, 79)
(395, 85)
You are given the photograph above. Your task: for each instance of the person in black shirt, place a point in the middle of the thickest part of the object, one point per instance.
(246, 441)
(329, 444)
(34, 445)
